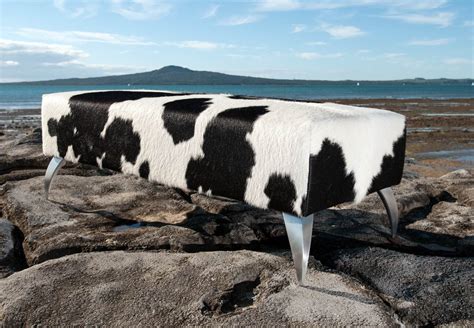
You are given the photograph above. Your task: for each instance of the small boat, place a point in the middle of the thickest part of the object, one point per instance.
(358, 83)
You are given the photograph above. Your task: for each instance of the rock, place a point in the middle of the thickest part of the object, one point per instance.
(22, 150)
(424, 290)
(240, 288)
(124, 212)
(11, 254)
(436, 219)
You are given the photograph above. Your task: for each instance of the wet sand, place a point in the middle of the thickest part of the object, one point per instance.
(440, 132)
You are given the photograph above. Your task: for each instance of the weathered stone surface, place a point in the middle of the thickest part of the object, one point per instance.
(240, 288)
(424, 290)
(123, 212)
(11, 255)
(103, 213)
(436, 218)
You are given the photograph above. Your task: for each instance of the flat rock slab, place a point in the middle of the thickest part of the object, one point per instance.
(123, 212)
(436, 218)
(124, 289)
(424, 290)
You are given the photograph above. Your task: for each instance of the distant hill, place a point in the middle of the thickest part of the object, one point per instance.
(176, 75)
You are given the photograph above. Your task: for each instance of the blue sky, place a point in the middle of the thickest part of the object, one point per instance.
(338, 39)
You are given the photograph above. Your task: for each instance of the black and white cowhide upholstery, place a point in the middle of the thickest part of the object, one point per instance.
(295, 157)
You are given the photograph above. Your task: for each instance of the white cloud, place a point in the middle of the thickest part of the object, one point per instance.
(316, 55)
(244, 56)
(316, 43)
(7, 63)
(83, 8)
(278, 5)
(141, 9)
(342, 31)
(103, 67)
(82, 36)
(363, 51)
(241, 20)
(297, 28)
(469, 23)
(391, 55)
(442, 19)
(433, 42)
(211, 11)
(10, 47)
(200, 45)
(288, 5)
(458, 61)
(40, 61)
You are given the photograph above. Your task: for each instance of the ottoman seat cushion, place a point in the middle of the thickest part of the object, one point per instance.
(296, 157)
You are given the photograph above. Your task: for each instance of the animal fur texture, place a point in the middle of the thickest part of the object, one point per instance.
(296, 157)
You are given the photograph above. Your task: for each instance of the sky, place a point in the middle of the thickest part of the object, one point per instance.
(325, 39)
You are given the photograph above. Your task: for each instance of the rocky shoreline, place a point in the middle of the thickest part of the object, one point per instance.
(110, 249)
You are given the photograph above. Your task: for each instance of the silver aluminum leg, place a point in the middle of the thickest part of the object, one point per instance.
(391, 207)
(54, 165)
(299, 231)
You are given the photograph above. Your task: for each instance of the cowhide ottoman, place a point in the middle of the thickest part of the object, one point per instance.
(294, 157)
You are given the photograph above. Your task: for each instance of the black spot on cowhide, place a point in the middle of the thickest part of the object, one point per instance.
(180, 116)
(120, 140)
(228, 157)
(144, 170)
(328, 183)
(392, 167)
(89, 113)
(281, 191)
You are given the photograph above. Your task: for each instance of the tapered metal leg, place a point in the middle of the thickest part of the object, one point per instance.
(299, 231)
(391, 206)
(54, 165)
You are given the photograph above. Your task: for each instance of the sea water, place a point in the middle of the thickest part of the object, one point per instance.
(13, 96)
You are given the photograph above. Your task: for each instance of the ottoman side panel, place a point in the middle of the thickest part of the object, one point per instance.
(392, 167)
(53, 108)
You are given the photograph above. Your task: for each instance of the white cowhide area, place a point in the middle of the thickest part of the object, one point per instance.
(296, 157)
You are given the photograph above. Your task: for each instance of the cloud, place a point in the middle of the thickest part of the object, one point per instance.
(391, 55)
(469, 23)
(288, 5)
(38, 61)
(241, 20)
(211, 11)
(316, 55)
(342, 31)
(11, 47)
(83, 8)
(200, 45)
(434, 42)
(442, 19)
(297, 28)
(106, 68)
(6, 63)
(316, 43)
(141, 9)
(458, 61)
(82, 36)
(278, 5)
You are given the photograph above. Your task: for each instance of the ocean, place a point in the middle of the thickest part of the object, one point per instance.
(29, 96)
